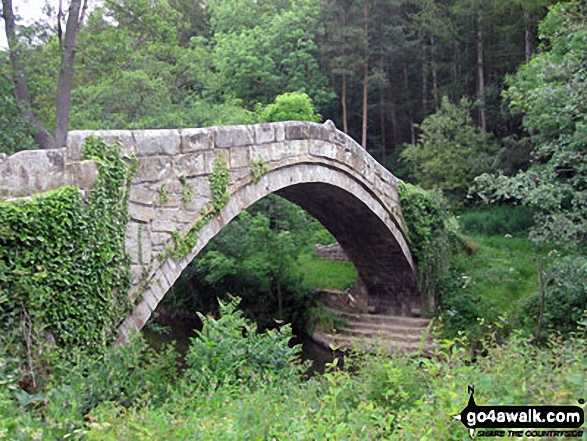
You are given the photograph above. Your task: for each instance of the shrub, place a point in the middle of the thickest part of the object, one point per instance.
(229, 350)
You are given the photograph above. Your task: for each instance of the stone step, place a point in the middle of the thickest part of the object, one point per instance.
(352, 343)
(414, 322)
(400, 330)
(383, 335)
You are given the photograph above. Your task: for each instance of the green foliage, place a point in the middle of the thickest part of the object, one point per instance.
(219, 184)
(240, 384)
(229, 350)
(552, 84)
(431, 235)
(269, 49)
(255, 257)
(450, 151)
(488, 281)
(293, 106)
(549, 91)
(63, 268)
(497, 220)
(15, 131)
(127, 376)
(565, 300)
(258, 169)
(326, 274)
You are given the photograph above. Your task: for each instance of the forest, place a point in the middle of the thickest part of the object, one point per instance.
(478, 107)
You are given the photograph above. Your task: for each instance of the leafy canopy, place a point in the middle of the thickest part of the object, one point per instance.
(450, 151)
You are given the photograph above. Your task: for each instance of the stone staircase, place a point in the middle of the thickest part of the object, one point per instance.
(371, 331)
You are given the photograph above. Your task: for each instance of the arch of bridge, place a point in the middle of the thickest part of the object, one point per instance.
(313, 165)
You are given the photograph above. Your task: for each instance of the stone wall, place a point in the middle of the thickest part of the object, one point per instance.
(332, 252)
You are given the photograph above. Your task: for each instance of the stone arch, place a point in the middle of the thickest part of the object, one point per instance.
(364, 224)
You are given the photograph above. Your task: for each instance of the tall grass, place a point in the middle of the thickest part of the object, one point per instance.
(326, 274)
(497, 220)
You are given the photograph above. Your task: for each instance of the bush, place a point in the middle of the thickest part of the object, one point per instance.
(229, 350)
(292, 106)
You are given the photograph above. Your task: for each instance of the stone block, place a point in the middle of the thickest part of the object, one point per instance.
(324, 149)
(157, 142)
(264, 133)
(82, 174)
(297, 130)
(238, 176)
(163, 226)
(124, 138)
(279, 131)
(269, 152)
(136, 272)
(190, 164)
(239, 157)
(160, 238)
(141, 314)
(319, 131)
(33, 171)
(153, 169)
(337, 137)
(150, 299)
(234, 136)
(142, 194)
(298, 147)
(178, 215)
(142, 213)
(132, 247)
(75, 142)
(194, 140)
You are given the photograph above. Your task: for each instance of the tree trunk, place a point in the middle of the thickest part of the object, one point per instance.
(480, 72)
(42, 137)
(434, 74)
(528, 35)
(63, 104)
(345, 127)
(424, 79)
(279, 299)
(542, 287)
(365, 73)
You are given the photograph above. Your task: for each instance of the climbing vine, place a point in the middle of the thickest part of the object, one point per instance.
(64, 275)
(258, 169)
(163, 194)
(218, 180)
(431, 235)
(187, 191)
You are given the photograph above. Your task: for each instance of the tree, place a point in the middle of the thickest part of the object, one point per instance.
(450, 151)
(67, 45)
(294, 106)
(262, 53)
(550, 93)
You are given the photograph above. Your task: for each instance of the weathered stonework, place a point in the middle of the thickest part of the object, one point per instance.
(313, 165)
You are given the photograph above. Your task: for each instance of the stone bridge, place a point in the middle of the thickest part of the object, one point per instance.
(313, 165)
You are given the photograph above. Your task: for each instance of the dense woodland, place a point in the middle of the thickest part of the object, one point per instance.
(481, 104)
(376, 68)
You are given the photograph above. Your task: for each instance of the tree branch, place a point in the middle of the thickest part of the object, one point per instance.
(21, 91)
